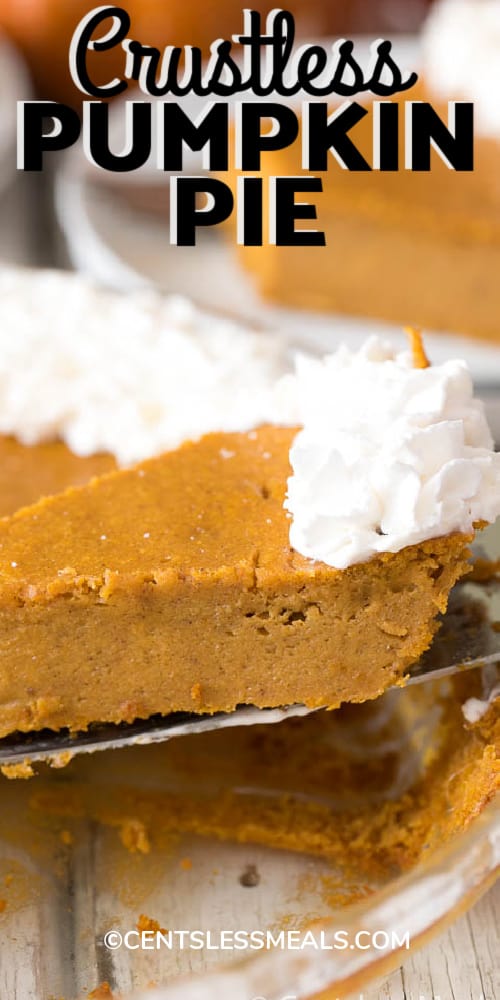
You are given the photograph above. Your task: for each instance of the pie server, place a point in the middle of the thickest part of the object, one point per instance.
(469, 637)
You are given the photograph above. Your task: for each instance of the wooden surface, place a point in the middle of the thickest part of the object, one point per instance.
(461, 964)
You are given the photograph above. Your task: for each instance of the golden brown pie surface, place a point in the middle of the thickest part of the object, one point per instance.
(171, 586)
(27, 473)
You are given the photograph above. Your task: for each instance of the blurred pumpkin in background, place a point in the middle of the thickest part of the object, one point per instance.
(42, 29)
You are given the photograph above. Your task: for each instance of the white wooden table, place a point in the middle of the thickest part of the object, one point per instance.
(461, 964)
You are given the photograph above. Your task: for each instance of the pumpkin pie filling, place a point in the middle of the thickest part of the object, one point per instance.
(298, 550)
(172, 586)
(30, 472)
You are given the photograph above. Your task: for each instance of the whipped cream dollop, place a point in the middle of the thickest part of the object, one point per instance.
(461, 45)
(389, 455)
(474, 709)
(132, 375)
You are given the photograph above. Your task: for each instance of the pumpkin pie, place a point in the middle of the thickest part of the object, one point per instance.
(401, 246)
(171, 586)
(29, 473)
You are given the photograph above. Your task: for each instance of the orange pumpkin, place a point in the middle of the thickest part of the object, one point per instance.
(43, 29)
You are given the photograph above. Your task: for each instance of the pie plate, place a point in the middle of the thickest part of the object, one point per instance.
(14, 86)
(263, 828)
(114, 228)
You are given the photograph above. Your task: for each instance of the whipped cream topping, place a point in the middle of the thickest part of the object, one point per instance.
(132, 375)
(389, 455)
(461, 45)
(475, 708)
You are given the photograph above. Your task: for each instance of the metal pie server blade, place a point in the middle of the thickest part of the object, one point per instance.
(469, 637)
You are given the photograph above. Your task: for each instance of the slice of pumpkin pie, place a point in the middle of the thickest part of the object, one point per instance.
(298, 549)
(172, 586)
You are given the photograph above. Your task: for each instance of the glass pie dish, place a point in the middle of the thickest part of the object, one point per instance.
(14, 86)
(377, 818)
